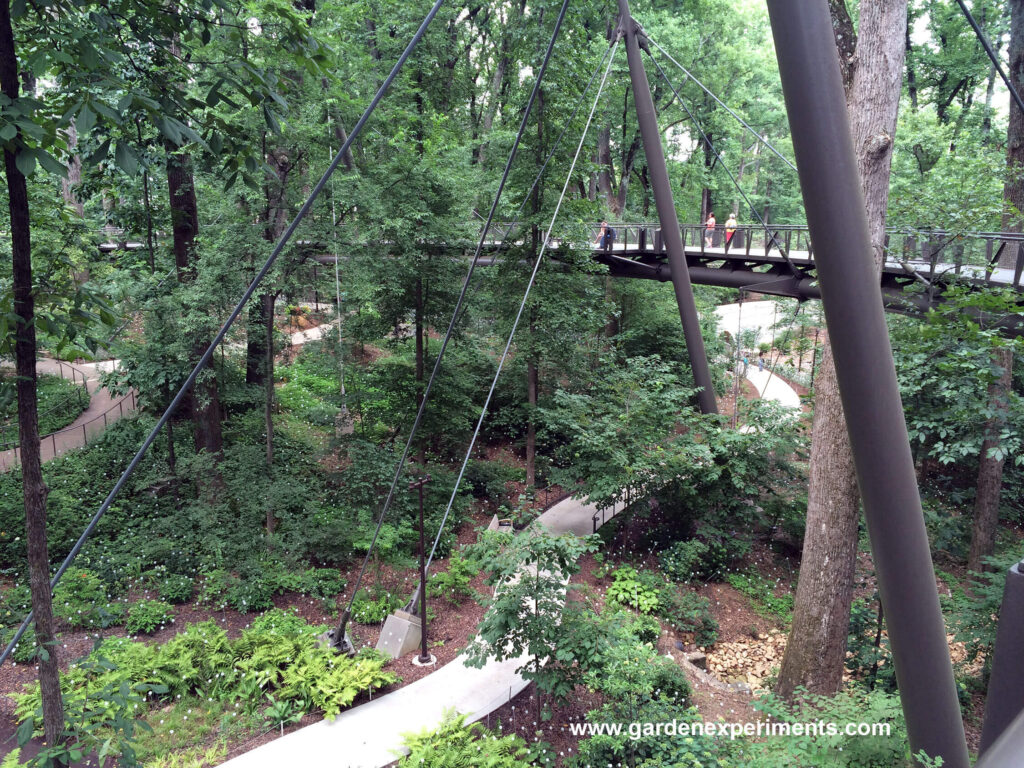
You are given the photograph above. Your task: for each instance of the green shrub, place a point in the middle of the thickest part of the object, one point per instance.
(685, 561)
(176, 589)
(277, 655)
(15, 605)
(280, 622)
(628, 591)
(725, 550)
(972, 616)
(453, 743)
(645, 629)
(489, 479)
(762, 594)
(79, 598)
(215, 588)
(453, 584)
(373, 609)
(249, 595)
(825, 751)
(642, 687)
(687, 611)
(147, 616)
(323, 583)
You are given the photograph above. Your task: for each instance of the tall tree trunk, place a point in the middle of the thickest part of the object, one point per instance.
(204, 401)
(821, 616)
(531, 421)
(268, 402)
(911, 71)
(34, 490)
(69, 186)
(605, 176)
(256, 343)
(990, 470)
(418, 332)
(1013, 190)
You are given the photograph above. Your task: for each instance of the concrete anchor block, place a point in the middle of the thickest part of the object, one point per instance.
(401, 634)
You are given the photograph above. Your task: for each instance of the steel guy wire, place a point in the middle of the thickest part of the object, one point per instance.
(721, 103)
(339, 631)
(696, 124)
(522, 307)
(208, 354)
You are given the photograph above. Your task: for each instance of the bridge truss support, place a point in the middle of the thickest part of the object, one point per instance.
(671, 234)
(833, 200)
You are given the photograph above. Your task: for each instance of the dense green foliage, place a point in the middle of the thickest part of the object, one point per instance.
(275, 654)
(247, 102)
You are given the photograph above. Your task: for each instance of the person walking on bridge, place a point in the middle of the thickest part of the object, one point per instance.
(709, 229)
(605, 237)
(730, 228)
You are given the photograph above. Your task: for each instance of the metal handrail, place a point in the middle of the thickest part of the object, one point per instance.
(118, 405)
(13, 421)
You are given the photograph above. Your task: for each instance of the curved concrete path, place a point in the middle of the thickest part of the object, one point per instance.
(758, 316)
(104, 409)
(370, 735)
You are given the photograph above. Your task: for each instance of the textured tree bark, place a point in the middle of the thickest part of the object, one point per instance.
(267, 300)
(203, 403)
(69, 186)
(1013, 190)
(34, 490)
(990, 470)
(531, 422)
(821, 615)
(605, 177)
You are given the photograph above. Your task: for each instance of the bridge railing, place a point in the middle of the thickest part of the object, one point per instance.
(994, 257)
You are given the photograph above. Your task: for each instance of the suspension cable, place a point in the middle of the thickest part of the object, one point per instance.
(337, 292)
(339, 632)
(721, 103)
(991, 54)
(554, 147)
(704, 136)
(558, 141)
(522, 306)
(208, 354)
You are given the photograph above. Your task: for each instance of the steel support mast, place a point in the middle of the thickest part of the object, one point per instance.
(834, 203)
(671, 235)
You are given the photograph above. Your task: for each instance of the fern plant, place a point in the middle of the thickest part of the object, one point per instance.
(453, 743)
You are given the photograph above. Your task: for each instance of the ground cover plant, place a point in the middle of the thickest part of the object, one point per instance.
(266, 487)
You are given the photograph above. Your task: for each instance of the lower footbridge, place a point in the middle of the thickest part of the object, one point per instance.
(919, 266)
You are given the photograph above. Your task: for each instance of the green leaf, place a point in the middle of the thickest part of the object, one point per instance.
(100, 154)
(51, 164)
(126, 158)
(26, 161)
(8, 132)
(25, 731)
(86, 119)
(271, 119)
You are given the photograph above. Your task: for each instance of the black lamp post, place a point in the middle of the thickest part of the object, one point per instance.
(424, 655)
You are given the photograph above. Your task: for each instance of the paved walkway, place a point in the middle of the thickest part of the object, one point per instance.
(758, 316)
(370, 735)
(104, 409)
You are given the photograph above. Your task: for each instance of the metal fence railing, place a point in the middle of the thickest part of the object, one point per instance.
(67, 404)
(76, 436)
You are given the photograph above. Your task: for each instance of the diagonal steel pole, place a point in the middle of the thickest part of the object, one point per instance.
(672, 237)
(834, 203)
